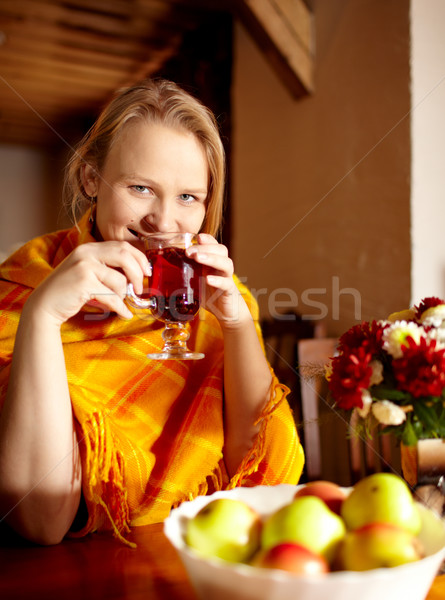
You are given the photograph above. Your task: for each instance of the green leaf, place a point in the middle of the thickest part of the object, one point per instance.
(385, 393)
(409, 437)
(427, 416)
(441, 428)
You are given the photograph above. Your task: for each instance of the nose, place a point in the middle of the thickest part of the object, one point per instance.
(161, 216)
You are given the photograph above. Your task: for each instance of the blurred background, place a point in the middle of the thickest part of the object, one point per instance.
(332, 113)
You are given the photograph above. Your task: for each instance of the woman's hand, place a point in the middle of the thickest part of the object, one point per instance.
(95, 272)
(220, 295)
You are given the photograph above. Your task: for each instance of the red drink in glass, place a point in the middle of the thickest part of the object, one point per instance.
(174, 284)
(173, 291)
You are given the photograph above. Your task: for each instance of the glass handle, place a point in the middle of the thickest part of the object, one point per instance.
(134, 300)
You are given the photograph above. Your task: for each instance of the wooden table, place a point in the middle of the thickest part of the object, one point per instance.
(94, 568)
(99, 567)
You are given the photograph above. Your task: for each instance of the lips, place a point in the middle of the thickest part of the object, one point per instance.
(136, 238)
(143, 232)
(133, 232)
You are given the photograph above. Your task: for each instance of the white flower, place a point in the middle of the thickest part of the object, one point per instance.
(367, 401)
(394, 336)
(377, 372)
(438, 334)
(433, 316)
(388, 413)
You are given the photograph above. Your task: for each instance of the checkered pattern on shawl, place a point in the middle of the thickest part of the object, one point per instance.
(150, 432)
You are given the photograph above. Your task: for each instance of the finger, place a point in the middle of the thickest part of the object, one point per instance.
(108, 300)
(222, 265)
(124, 256)
(114, 281)
(206, 238)
(127, 256)
(214, 256)
(224, 284)
(210, 246)
(112, 253)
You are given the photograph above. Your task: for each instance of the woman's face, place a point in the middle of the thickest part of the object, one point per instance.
(155, 178)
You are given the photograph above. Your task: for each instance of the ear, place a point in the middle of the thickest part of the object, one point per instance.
(89, 180)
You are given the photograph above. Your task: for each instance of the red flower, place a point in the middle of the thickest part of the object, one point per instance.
(427, 303)
(421, 370)
(367, 336)
(351, 374)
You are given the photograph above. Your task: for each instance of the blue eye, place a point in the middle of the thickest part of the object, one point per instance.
(187, 198)
(140, 188)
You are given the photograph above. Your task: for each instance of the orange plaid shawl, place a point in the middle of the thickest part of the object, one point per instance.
(150, 432)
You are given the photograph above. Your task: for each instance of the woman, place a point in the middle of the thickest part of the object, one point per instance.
(94, 435)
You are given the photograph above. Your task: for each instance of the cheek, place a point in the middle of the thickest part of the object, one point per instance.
(108, 219)
(110, 212)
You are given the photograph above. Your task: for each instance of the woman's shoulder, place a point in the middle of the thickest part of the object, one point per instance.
(32, 261)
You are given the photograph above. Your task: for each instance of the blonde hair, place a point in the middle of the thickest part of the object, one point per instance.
(158, 101)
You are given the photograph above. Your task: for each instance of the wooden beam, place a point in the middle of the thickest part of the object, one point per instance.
(283, 29)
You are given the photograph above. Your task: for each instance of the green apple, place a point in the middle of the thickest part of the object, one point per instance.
(381, 497)
(378, 545)
(226, 528)
(331, 493)
(293, 558)
(307, 521)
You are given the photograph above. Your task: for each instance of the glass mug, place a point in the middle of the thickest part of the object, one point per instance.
(173, 291)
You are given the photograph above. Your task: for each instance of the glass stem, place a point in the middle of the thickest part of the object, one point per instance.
(175, 336)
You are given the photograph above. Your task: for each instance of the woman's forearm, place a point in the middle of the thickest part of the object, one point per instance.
(247, 382)
(40, 473)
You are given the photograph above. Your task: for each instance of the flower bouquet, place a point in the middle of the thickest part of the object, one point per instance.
(392, 373)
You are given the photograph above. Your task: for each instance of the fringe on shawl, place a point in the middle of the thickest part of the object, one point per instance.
(103, 480)
(253, 458)
(215, 481)
(104, 483)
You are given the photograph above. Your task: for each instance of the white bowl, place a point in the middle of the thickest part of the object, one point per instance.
(215, 579)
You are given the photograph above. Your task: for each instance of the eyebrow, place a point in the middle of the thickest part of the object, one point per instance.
(195, 191)
(141, 178)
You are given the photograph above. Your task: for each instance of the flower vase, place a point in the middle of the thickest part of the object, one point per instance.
(423, 468)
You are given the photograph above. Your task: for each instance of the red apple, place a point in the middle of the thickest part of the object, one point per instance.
(293, 558)
(331, 493)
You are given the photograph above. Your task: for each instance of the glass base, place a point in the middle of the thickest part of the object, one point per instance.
(178, 355)
(175, 336)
